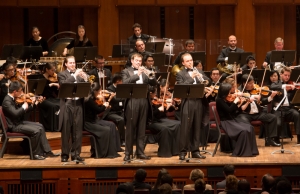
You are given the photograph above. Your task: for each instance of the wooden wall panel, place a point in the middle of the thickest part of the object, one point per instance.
(126, 20)
(9, 3)
(257, 2)
(135, 2)
(90, 22)
(64, 19)
(217, 2)
(176, 2)
(177, 22)
(31, 3)
(290, 34)
(153, 22)
(16, 25)
(227, 25)
(72, 3)
(276, 23)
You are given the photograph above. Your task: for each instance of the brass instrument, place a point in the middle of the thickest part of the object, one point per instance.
(175, 69)
(228, 68)
(149, 73)
(200, 77)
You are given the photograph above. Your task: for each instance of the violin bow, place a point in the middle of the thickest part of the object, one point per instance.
(166, 87)
(247, 79)
(262, 81)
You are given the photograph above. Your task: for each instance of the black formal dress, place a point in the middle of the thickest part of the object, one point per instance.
(42, 42)
(48, 108)
(140, 107)
(241, 132)
(72, 44)
(105, 135)
(191, 117)
(107, 74)
(15, 120)
(224, 53)
(70, 119)
(132, 39)
(116, 112)
(167, 132)
(4, 89)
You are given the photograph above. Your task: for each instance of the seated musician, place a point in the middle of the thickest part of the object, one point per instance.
(49, 108)
(137, 34)
(227, 104)
(37, 40)
(116, 112)
(99, 71)
(223, 57)
(81, 40)
(149, 63)
(105, 134)
(10, 60)
(288, 111)
(139, 48)
(189, 47)
(14, 116)
(9, 73)
(167, 130)
(251, 64)
(251, 110)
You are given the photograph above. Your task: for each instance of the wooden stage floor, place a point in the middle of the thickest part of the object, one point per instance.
(17, 161)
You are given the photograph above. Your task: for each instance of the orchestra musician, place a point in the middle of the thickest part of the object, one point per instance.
(139, 48)
(223, 57)
(135, 74)
(9, 72)
(191, 112)
(288, 111)
(67, 114)
(137, 34)
(250, 60)
(81, 40)
(251, 110)
(116, 112)
(227, 104)
(99, 71)
(49, 107)
(214, 75)
(166, 130)
(37, 40)
(189, 47)
(104, 134)
(15, 120)
(149, 63)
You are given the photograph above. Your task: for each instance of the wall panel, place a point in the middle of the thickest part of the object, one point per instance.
(290, 35)
(90, 22)
(177, 22)
(9, 3)
(31, 3)
(227, 25)
(126, 18)
(257, 2)
(176, 2)
(276, 23)
(217, 2)
(153, 22)
(16, 25)
(135, 2)
(72, 3)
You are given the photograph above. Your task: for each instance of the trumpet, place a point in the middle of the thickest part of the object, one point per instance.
(149, 73)
(200, 77)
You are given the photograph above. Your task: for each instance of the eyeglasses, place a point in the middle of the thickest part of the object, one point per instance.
(100, 63)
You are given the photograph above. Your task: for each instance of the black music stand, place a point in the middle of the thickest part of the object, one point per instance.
(130, 91)
(74, 90)
(159, 59)
(32, 53)
(14, 50)
(286, 57)
(238, 58)
(257, 74)
(200, 56)
(187, 91)
(155, 47)
(83, 54)
(296, 102)
(295, 74)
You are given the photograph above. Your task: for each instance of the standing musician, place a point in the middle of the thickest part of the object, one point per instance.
(49, 107)
(9, 73)
(100, 71)
(223, 57)
(105, 135)
(166, 130)
(15, 120)
(135, 74)
(139, 48)
(189, 47)
(288, 111)
(67, 113)
(116, 112)
(81, 40)
(251, 110)
(37, 40)
(190, 115)
(137, 34)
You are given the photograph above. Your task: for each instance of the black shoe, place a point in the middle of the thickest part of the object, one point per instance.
(38, 157)
(270, 142)
(198, 155)
(93, 155)
(78, 158)
(64, 159)
(50, 154)
(276, 140)
(144, 157)
(126, 158)
(182, 156)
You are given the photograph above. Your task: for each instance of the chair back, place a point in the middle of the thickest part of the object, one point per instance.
(141, 191)
(211, 114)
(3, 121)
(216, 116)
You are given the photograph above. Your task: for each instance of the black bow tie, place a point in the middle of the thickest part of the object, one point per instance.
(189, 70)
(72, 72)
(99, 70)
(135, 69)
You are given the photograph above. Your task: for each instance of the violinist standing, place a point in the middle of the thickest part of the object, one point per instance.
(288, 111)
(251, 110)
(49, 107)
(191, 112)
(15, 120)
(100, 71)
(243, 133)
(67, 114)
(9, 72)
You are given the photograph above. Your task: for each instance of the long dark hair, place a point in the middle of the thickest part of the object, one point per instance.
(272, 73)
(224, 90)
(85, 39)
(94, 87)
(48, 66)
(158, 180)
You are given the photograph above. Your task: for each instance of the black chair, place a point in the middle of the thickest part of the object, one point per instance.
(92, 139)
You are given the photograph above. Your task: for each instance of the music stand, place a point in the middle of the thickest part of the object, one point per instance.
(238, 58)
(200, 56)
(74, 90)
(130, 91)
(159, 59)
(155, 47)
(14, 50)
(32, 52)
(295, 74)
(257, 74)
(285, 57)
(187, 91)
(82, 54)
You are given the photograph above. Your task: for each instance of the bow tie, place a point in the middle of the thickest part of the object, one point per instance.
(99, 70)
(72, 72)
(135, 69)
(189, 70)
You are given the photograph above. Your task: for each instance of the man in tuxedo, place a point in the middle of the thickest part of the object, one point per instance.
(137, 34)
(15, 120)
(278, 44)
(191, 112)
(189, 47)
(136, 126)
(99, 71)
(223, 57)
(69, 122)
(139, 48)
(116, 112)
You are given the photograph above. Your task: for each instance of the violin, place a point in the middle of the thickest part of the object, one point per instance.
(297, 85)
(265, 90)
(230, 97)
(22, 99)
(53, 78)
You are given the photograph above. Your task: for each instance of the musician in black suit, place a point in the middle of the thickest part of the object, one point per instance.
(15, 120)
(139, 48)
(99, 71)
(137, 34)
(135, 75)
(189, 47)
(116, 112)
(191, 112)
(68, 108)
(231, 48)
